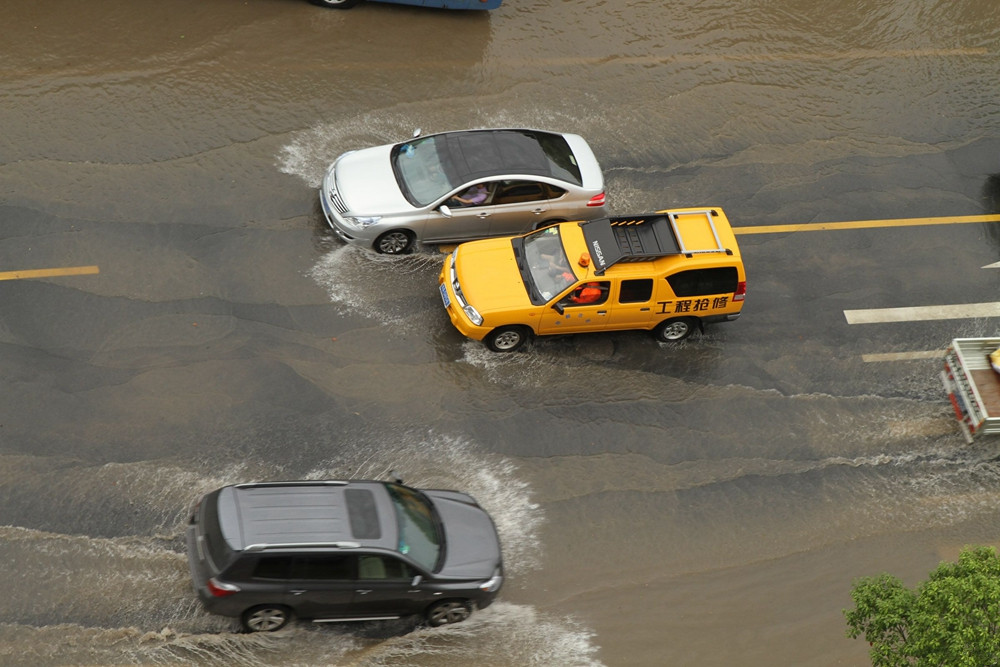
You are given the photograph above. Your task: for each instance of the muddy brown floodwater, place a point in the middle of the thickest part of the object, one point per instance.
(708, 503)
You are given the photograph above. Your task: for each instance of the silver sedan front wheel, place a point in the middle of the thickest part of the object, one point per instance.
(394, 242)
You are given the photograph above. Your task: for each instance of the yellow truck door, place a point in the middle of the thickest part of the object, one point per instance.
(633, 304)
(585, 307)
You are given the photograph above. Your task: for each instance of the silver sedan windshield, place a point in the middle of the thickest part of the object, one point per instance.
(418, 169)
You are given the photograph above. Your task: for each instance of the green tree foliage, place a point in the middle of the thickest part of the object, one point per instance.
(950, 620)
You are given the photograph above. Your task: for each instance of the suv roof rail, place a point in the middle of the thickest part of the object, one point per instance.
(639, 238)
(318, 482)
(303, 545)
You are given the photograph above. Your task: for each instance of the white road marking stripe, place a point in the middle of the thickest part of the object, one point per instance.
(902, 356)
(918, 313)
(994, 265)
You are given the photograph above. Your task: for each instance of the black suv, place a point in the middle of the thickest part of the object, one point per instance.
(341, 551)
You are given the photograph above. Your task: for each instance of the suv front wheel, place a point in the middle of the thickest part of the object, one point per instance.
(447, 612)
(266, 618)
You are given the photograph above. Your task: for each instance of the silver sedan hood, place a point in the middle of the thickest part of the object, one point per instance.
(472, 544)
(367, 185)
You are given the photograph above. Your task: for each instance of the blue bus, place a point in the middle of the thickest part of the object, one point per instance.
(442, 4)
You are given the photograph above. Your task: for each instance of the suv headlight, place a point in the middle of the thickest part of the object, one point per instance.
(473, 315)
(362, 221)
(492, 585)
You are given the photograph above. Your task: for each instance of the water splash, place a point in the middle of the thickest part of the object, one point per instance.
(503, 635)
(434, 461)
(348, 274)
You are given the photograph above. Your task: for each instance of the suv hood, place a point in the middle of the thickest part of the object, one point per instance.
(472, 544)
(495, 280)
(367, 184)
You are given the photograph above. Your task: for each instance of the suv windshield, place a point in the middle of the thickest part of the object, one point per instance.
(548, 266)
(419, 171)
(219, 553)
(419, 537)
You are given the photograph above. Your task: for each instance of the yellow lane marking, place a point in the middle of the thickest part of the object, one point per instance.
(866, 224)
(49, 273)
(902, 356)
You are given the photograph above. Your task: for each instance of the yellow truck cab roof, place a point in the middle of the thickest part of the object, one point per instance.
(630, 239)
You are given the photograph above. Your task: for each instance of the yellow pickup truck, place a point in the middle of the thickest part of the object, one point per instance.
(669, 272)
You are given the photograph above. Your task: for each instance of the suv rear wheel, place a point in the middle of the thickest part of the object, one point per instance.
(671, 331)
(266, 618)
(447, 612)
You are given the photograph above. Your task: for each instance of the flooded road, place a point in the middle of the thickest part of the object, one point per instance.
(698, 504)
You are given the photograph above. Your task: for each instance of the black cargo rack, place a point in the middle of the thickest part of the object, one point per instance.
(642, 238)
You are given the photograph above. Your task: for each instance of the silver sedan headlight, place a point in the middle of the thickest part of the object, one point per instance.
(361, 221)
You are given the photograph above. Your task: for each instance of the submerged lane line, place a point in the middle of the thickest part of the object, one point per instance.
(49, 273)
(866, 224)
(902, 356)
(923, 313)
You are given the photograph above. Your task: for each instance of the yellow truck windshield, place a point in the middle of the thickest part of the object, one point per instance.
(548, 266)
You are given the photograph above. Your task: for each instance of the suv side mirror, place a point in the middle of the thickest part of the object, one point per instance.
(445, 211)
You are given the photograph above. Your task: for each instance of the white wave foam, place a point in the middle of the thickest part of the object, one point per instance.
(502, 635)
(350, 275)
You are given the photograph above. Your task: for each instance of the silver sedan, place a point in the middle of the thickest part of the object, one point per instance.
(458, 186)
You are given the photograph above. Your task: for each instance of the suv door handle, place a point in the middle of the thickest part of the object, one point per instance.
(297, 591)
(363, 591)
